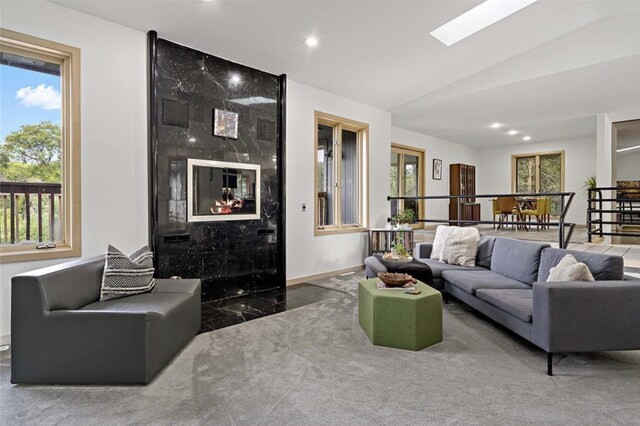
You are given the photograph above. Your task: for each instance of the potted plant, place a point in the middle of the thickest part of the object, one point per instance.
(399, 251)
(590, 183)
(403, 219)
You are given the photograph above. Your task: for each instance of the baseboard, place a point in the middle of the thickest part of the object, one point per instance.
(324, 275)
(5, 340)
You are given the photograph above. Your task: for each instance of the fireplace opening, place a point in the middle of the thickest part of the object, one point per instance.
(218, 190)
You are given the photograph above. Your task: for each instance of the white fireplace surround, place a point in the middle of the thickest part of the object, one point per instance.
(192, 217)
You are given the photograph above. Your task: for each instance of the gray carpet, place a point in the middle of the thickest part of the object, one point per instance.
(347, 283)
(314, 365)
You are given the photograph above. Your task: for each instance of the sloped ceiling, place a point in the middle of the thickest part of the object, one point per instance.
(544, 71)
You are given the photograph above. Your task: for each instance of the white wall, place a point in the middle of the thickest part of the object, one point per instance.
(605, 151)
(446, 151)
(580, 163)
(114, 137)
(308, 254)
(628, 165)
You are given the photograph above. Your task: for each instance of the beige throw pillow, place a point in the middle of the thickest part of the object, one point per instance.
(461, 246)
(569, 269)
(438, 242)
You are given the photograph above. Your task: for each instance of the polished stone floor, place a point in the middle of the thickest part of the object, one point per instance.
(218, 314)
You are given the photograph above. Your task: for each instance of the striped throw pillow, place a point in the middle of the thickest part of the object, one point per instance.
(127, 275)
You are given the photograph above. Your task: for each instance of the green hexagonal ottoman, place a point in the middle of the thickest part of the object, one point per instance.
(398, 320)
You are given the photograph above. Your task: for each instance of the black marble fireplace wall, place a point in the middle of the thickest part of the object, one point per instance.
(232, 257)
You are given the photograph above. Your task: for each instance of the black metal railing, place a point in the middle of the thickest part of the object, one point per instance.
(623, 203)
(30, 212)
(566, 198)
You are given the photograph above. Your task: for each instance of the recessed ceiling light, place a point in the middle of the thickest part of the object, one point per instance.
(192, 139)
(496, 125)
(512, 132)
(311, 41)
(526, 138)
(478, 18)
(235, 78)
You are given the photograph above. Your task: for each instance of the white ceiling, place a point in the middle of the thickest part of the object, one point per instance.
(545, 71)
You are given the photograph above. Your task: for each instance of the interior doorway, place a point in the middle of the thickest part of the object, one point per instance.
(627, 137)
(626, 140)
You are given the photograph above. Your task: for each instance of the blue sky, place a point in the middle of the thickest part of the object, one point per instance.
(27, 97)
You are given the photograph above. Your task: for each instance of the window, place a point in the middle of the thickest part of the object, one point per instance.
(407, 180)
(539, 173)
(39, 149)
(340, 175)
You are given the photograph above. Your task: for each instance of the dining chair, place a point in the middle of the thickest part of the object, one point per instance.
(508, 207)
(496, 211)
(547, 211)
(538, 212)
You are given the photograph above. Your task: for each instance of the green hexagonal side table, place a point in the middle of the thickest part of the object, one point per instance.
(398, 320)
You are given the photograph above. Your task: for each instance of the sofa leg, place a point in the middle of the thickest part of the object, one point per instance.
(445, 297)
(549, 364)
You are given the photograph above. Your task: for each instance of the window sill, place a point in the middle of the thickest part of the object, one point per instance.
(10, 255)
(334, 231)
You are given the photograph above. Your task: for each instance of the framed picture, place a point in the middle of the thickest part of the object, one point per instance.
(225, 124)
(437, 169)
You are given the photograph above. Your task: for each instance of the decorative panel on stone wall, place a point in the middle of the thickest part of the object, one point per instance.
(231, 257)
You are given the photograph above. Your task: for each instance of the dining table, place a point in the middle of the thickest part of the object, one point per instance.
(525, 203)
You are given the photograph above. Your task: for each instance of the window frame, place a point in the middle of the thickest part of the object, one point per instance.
(362, 130)
(69, 59)
(536, 155)
(401, 150)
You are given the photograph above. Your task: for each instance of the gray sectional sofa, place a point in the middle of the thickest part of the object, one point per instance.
(508, 284)
(62, 334)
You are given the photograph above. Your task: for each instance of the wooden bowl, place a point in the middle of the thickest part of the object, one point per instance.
(396, 280)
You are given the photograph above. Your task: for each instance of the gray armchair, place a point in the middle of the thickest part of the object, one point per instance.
(62, 334)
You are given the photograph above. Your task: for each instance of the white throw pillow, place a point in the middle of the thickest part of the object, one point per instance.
(438, 242)
(461, 246)
(569, 269)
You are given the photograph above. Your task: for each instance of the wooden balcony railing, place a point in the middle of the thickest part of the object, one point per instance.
(30, 212)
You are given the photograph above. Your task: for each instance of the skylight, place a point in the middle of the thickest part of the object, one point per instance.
(628, 149)
(478, 18)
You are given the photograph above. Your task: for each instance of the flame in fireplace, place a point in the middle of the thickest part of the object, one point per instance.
(227, 207)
